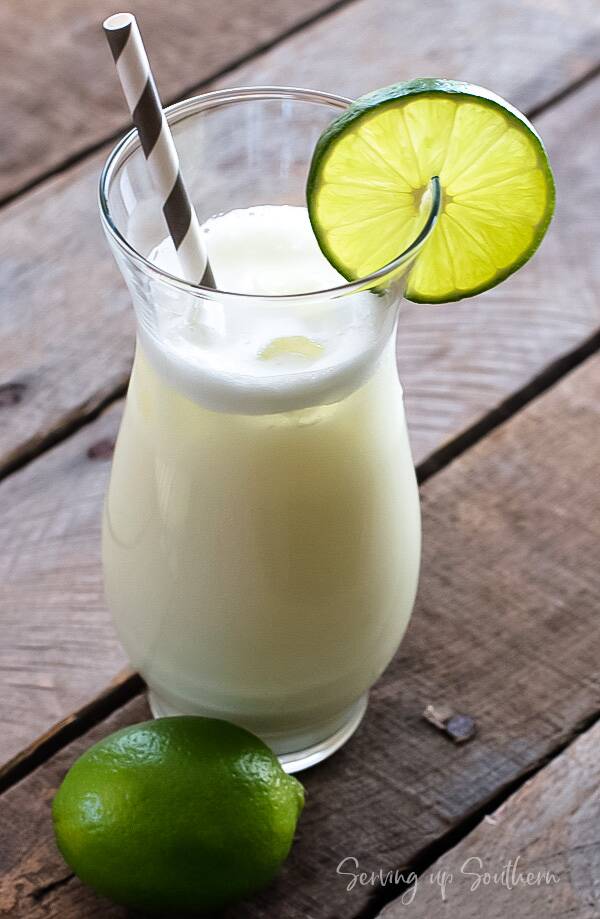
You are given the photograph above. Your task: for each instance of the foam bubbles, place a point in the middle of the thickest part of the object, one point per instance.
(214, 352)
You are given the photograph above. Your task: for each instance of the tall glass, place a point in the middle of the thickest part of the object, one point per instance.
(261, 536)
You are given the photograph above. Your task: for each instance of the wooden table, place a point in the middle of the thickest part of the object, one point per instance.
(504, 406)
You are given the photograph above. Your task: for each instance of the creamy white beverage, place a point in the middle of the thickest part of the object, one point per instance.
(261, 531)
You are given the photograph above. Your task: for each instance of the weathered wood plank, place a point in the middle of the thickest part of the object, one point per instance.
(504, 630)
(456, 363)
(33, 876)
(58, 644)
(53, 117)
(65, 325)
(542, 846)
(59, 92)
(126, 685)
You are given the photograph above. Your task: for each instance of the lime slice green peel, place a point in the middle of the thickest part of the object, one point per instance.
(372, 165)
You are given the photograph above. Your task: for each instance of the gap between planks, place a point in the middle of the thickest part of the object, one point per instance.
(193, 88)
(123, 688)
(574, 86)
(570, 409)
(38, 435)
(129, 684)
(519, 399)
(440, 457)
(85, 152)
(383, 895)
(117, 694)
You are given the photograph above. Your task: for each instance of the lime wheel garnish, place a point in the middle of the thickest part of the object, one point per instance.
(372, 167)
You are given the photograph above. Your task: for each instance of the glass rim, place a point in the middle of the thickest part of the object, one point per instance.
(130, 143)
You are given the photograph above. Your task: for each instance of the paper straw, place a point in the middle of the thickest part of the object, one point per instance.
(133, 69)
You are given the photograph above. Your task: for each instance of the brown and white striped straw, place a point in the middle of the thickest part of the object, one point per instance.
(133, 69)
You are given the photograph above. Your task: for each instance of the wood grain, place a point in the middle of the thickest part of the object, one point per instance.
(504, 630)
(59, 91)
(65, 326)
(126, 685)
(33, 876)
(60, 96)
(58, 645)
(456, 363)
(547, 832)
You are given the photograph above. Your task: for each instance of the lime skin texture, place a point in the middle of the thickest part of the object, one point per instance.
(179, 815)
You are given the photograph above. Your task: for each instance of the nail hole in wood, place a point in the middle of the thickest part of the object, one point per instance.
(102, 449)
(11, 393)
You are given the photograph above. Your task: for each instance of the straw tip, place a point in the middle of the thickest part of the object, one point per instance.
(118, 21)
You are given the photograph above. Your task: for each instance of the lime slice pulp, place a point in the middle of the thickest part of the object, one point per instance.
(373, 164)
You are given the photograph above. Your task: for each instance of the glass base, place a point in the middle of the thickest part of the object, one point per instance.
(312, 751)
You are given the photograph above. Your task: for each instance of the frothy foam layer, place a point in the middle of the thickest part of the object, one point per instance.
(255, 356)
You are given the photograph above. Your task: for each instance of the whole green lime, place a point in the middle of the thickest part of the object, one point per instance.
(180, 814)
